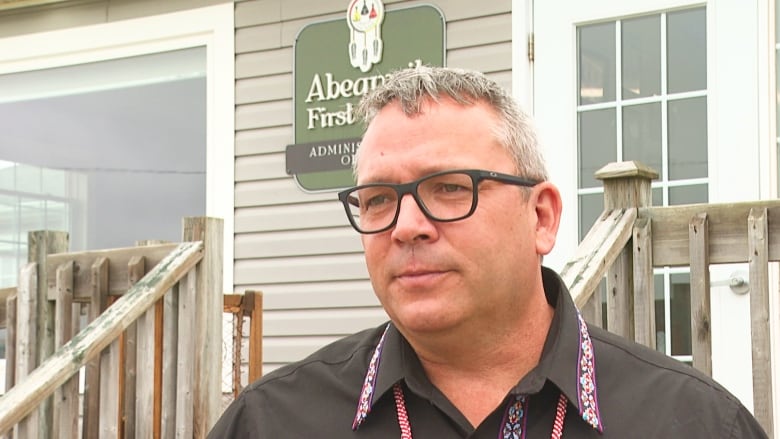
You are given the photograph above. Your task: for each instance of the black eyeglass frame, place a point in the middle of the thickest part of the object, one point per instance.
(477, 176)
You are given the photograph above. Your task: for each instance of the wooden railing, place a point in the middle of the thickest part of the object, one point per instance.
(631, 238)
(151, 352)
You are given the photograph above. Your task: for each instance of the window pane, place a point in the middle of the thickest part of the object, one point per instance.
(53, 182)
(642, 134)
(596, 47)
(28, 179)
(658, 196)
(688, 138)
(686, 50)
(597, 143)
(9, 215)
(680, 293)
(660, 314)
(777, 21)
(777, 113)
(7, 175)
(591, 206)
(688, 194)
(641, 57)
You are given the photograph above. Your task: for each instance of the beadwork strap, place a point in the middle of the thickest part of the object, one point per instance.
(403, 416)
(560, 415)
(518, 412)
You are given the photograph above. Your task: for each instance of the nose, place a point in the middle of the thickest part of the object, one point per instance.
(412, 224)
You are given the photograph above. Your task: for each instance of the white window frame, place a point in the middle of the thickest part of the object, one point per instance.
(212, 27)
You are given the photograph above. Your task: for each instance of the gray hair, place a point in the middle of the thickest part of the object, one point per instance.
(411, 87)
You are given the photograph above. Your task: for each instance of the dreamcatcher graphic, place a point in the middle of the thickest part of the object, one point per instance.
(365, 40)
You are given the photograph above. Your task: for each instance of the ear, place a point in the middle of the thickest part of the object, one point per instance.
(547, 201)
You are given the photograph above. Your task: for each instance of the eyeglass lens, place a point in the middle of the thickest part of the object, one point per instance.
(444, 197)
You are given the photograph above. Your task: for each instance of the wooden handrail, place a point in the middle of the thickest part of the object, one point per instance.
(597, 252)
(67, 360)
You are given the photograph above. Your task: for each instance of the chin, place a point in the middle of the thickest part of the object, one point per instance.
(424, 322)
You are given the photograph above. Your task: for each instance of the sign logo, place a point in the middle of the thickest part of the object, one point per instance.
(364, 18)
(335, 64)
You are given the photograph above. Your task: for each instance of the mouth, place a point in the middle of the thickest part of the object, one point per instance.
(420, 278)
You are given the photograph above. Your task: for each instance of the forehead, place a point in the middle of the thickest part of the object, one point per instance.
(444, 135)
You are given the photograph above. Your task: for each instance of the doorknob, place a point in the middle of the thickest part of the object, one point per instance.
(737, 281)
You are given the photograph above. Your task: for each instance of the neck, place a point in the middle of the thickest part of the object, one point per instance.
(505, 354)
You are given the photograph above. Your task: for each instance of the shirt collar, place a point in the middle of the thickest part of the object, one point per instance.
(568, 361)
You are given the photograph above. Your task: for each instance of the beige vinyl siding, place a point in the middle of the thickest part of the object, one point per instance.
(294, 246)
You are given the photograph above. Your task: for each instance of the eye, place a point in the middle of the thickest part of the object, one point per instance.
(452, 188)
(376, 198)
(376, 201)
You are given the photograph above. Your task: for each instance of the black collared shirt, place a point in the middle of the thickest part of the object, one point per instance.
(638, 392)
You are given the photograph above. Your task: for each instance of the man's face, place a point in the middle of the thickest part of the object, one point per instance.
(432, 276)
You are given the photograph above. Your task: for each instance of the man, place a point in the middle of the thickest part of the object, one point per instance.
(455, 213)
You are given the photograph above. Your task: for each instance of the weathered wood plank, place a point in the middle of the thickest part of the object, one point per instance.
(597, 252)
(144, 393)
(10, 343)
(238, 324)
(5, 293)
(728, 229)
(185, 358)
(26, 395)
(118, 262)
(644, 284)
(620, 295)
(158, 369)
(208, 315)
(254, 304)
(170, 360)
(97, 304)
(108, 419)
(701, 320)
(27, 332)
(127, 389)
(66, 413)
(759, 318)
(591, 311)
(157, 360)
(40, 244)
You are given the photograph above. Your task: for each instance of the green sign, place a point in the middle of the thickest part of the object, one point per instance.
(337, 62)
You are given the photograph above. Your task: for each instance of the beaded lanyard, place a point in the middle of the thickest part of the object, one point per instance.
(514, 416)
(513, 422)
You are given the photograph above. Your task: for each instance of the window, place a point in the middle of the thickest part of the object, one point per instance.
(642, 95)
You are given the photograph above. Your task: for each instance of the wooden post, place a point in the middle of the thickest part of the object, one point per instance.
(758, 258)
(254, 307)
(97, 304)
(626, 185)
(150, 358)
(26, 347)
(66, 396)
(169, 361)
(701, 318)
(207, 392)
(185, 375)
(10, 343)
(39, 245)
(136, 269)
(644, 284)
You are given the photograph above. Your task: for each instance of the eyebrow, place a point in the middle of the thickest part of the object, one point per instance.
(426, 171)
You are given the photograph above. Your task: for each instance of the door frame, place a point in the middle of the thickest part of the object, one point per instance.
(212, 27)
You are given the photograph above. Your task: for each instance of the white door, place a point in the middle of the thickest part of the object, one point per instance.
(664, 82)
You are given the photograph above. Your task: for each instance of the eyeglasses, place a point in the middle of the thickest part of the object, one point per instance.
(444, 196)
